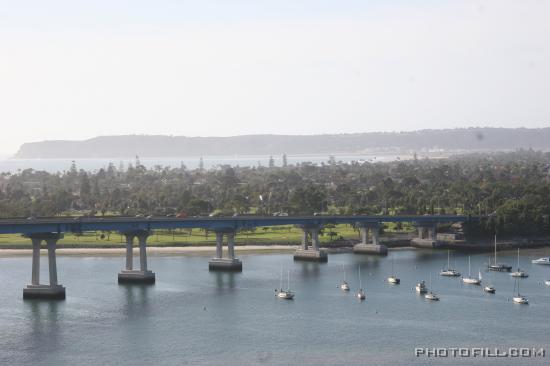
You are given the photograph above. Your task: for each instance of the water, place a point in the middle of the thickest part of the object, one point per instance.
(192, 162)
(195, 317)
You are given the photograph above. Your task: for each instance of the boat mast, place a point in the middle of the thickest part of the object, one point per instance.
(344, 269)
(288, 283)
(495, 249)
(281, 277)
(360, 284)
(448, 259)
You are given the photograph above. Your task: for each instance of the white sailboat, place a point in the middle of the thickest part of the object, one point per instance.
(488, 288)
(284, 294)
(360, 294)
(471, 280)
(431, 295)
(518, 298)
(393, 278)
(344, 285)
(499, 267)
(449, 272)
(519, 272)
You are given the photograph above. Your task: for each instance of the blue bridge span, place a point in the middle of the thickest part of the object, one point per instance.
(50, 230)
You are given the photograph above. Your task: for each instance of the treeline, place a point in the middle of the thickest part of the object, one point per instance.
(511, 189)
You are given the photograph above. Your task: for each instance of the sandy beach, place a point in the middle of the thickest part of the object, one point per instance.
(198, 250)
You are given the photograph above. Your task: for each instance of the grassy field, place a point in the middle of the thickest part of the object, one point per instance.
(190, 237)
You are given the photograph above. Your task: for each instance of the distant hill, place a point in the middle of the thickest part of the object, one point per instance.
(467, 139)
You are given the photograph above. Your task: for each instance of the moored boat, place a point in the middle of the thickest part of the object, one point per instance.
(518, 298)
(499, 267)
(519, 272)
(421, 287)
(431, 295)
(449, 272)
(284, 294)
(360, 293)
(344, 286)
(393, 278)
(543, 260)
(471, 280)
(489, 289)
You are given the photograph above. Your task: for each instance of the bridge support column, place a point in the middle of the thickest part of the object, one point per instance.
(219, 263)
(305, 243)
(427, 237)
(35, 290)
(130, 275)
(374, 247)
(314, 254)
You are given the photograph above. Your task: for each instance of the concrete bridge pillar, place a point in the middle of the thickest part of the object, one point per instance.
(36, 261)
(313, 253)
(130, 275)
(219, 263)
(52, 265)
(35, 290)
(129, 252)
(372, 247)
(305, 243)
(231, 245)
(427, 236)
(219, 244)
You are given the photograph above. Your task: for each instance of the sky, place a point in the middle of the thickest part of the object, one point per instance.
(78, 69)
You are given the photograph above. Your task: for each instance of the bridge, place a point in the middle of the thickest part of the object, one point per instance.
(50, 230)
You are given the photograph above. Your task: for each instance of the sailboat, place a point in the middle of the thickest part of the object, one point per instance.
(431, 295)
(519, 299)
(360, 294)
(284, 294)
(344, 285)
(519, 272)
(449, 272)
(393, 279)
(488, 288)
(471, 280)
(499, 267)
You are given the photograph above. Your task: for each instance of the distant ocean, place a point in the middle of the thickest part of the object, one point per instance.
(191, 162)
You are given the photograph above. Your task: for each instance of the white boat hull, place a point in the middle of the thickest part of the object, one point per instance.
(394, 280)
(421, 290)
(449, 273)
(432, 297)
(519, 274)
(520, 300)
(287, 295)
(471, 281)
(545, 260)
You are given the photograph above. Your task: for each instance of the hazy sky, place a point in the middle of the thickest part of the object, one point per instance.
(77, 69)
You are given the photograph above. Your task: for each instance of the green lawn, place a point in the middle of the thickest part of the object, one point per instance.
(198, 237)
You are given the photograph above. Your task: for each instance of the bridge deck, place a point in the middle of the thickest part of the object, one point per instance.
(125, 224)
